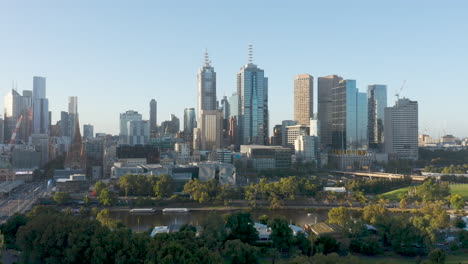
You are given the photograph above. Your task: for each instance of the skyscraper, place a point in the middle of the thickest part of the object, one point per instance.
(211, 125)
(88, 131)
(206, 87)
(190, 121)
(12, 112)
(137, 132)
(401, 130)
(153, 115)
(303, 98)
(252, 88)
(376, 110)
(73, 115)
(40, 106)
(124, 118)
(325, 106)
(2, 130)
(349, 117)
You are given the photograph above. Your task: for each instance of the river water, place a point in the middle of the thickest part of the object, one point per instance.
(143, 222)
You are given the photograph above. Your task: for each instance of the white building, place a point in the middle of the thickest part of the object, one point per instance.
(307, 148)
(293, 132)
(138, 132)
(182, 151)
(401, 130)
(124, 118)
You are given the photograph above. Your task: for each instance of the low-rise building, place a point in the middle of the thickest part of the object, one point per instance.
(267, 157)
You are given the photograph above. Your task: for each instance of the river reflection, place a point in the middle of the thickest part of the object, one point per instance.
(143, 222)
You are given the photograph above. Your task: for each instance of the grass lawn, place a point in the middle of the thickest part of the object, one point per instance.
(461, 189)
(460, 258)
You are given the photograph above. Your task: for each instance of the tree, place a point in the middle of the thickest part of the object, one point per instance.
(339, 216)
(374, 213)
(326, 245)
(430, 190)
(403, 203)
(98, 187)
(62, 197)
(437, 256)
(241, 253)
(196, 190)
(301, 242)
(213, 232)
(263, 219)
(463, 238)
(107, 197)
(10, 228)
(365, 245)
(86, 199)
(241, 226)
(457, 201)
(281, 234)
(164, 187)
(105, 219)
(188, 228)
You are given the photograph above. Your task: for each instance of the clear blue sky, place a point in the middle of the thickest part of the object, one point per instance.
(117, 55)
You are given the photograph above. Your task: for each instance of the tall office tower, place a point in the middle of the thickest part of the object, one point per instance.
(232, 134)
(153, 115)
(377, 94)
(233, 105)
(349, 118)
(401, 130)
(27, 112)
(88, 131)
(303, 98)
(284, 125)
(40, 106)
(226, 108)
(13, 108)
(325, 101)
(211, 125)
(206, 87)
(137, 132)
(73, 115)
(41, 144)
(2, 131)
(76, 156)
(190, 121)
(252, 88)
(130, 115)
(64, 124)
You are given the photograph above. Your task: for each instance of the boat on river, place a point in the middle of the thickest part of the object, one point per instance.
(175, 210)
(142, 211)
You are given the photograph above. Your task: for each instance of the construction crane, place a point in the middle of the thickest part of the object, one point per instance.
(15, 131)
(397, 94)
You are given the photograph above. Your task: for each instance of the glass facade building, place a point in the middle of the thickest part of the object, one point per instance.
(40, 106)
(252, 88)
(377, 102)
(206, 88)
(190, 121)
(349, 117)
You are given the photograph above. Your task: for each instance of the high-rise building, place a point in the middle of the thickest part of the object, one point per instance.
(13, 108)
(190, 121)
(206, 87)
(64, 124)
(211, 125)
(401, 130)
(325, 87)
(303, 98)
(73, 104)
(349, 117)
(377, 103)
(252, 88)
(137, 132)
(88, 131)
(40, 106)
(130, 115)
(276, 139)
(284, 125)
(73, 117)
(171, 126)
(226, 108)
(293, 132)
(153, 115)
(2, 131)
(306, 148)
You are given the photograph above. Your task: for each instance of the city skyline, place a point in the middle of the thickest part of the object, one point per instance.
(427, 69)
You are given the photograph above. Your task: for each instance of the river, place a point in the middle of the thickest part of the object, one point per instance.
(143, 222)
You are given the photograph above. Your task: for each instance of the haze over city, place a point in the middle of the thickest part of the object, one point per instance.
(116, 55)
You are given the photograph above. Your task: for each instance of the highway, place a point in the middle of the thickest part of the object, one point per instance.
(380, 175)
(21, 199)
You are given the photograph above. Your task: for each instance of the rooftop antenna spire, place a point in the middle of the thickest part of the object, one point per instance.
(250, 53)
(207, 58)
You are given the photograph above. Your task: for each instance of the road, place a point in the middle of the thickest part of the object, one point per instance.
(380, 175)
(21, 199)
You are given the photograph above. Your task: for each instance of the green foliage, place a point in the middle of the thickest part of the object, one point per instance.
(263, 219)
(430, 190)
(437, 256)
(139, 185)
(442, 157)
(457, 202)
(203, 191)
(241, 226)
(339, 216)
(332, 258)
(105, 219)
(241, 253)
(62, 197)
(188, 228)
(281, 234)
(326, 245)
(374, 213)
(164, 186)
(377, 186)
(98, 187)
(86, 199)
(463, 238)
(213, 232)
(365, 245)
(458, 223)
(107, 197)
(10, 228)
(301, 242)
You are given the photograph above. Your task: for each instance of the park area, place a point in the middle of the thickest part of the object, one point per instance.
(395, 195)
